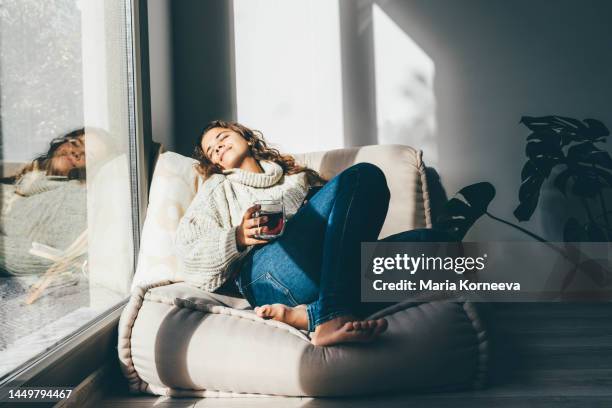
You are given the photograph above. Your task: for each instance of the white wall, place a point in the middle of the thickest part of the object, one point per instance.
(288, 74)
(450, 77)
(496, 61)
(405, 98)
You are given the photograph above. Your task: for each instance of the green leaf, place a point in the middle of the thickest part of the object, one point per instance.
(529, 170)
(561, 180)
(544, 134)
(569, 123)
(568, 129)
(596, 129)
(589, 154)
(478, 196)
(547, 148)
(529, 194)
(538, 123)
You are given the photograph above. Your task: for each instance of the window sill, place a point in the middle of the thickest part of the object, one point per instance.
(68, 363)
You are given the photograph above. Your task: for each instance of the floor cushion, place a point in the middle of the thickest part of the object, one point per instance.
(177, 340)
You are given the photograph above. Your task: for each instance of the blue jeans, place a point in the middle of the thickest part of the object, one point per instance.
(316, 261)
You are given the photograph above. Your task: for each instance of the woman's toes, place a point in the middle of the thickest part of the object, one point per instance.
(336, 331)
(263, 311)
(360, 325)
(293, 316)
(348, 326)
(381, 326)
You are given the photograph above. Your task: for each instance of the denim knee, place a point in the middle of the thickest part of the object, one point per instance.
(373, 179)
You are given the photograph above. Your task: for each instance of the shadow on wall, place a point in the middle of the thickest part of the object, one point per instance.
(388, 88)
(203, 91)
(388, 82)
(405, 96)
(437, 194)
(490, 72)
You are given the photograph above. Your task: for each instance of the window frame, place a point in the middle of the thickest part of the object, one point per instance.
(72, 359)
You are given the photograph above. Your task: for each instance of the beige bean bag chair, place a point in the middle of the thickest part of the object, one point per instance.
(177, 340)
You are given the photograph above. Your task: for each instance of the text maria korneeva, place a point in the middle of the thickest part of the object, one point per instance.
(461, 285)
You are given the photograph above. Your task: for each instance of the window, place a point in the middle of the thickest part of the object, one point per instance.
(66, 114)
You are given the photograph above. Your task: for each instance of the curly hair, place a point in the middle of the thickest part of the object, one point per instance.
(43, 162)
(259, 150)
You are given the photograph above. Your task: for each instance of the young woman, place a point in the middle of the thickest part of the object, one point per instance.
(44, 202)
(308, 277)
(65, 157)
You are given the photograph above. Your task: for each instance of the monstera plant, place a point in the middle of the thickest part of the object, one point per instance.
(585, 172)
(582, 169)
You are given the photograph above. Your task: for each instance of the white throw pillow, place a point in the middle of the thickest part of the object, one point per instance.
(174, 185)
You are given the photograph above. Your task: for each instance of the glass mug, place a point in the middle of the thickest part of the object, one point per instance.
(274, 210)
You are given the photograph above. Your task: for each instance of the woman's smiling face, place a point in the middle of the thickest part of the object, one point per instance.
(70, 155)
(225, 147)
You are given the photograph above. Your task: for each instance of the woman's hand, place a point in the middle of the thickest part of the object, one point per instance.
(248, 228)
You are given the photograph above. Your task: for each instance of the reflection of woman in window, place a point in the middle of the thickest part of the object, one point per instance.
(45, 202)
(65, 157)
(308, 277)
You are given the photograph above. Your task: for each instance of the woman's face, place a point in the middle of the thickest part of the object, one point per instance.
(225, 147)
(70, 155)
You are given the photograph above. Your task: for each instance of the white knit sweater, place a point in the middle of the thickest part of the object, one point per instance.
(206, 235)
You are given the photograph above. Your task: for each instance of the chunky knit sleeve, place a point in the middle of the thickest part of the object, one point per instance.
(294, 193)
(205, 240)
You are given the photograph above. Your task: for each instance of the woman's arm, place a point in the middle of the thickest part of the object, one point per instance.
(206, 244)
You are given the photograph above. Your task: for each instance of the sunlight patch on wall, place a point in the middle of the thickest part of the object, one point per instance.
(288, 72)
(405, 100)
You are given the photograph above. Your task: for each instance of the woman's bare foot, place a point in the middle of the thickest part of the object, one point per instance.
(346, 329)
(293, 316)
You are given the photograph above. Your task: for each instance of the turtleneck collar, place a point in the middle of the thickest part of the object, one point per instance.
(37, 181)
(271, 175)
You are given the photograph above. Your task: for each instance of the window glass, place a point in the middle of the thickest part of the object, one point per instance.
(66, 246)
